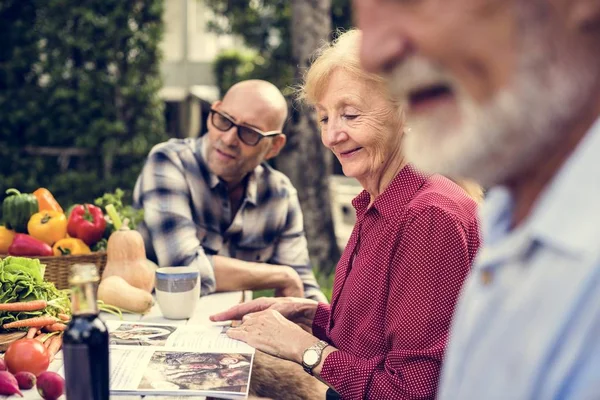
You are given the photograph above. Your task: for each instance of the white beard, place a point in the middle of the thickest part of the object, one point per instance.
(521, 125)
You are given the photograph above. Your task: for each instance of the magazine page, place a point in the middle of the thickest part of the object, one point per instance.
(201, 337)
(183, 360)
(175, 371)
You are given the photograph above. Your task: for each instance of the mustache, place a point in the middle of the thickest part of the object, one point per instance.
(416, 73)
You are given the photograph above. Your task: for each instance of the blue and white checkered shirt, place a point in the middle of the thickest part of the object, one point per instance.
(187, 215)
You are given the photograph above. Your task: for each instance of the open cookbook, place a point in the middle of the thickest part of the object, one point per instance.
(160, 359)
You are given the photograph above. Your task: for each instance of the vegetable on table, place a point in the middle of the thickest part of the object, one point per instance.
(46, 200)
(25, 245)
(17, 208)
(126, 258)
(54, 347)
(70, 246)
(56, 327)
(42, 321)
(115, 291)
(64, 317)
(27, 355)
(87, 223)
(124, 211)
(25, 380)
(24, 306)
(50, 385)
(22, 282)
(9, 384)
(32, 332)
(48, 226)
(6, 239)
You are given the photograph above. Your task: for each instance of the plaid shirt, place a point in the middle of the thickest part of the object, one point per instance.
(188, 216)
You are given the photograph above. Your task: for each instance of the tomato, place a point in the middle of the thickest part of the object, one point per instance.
(27, 355)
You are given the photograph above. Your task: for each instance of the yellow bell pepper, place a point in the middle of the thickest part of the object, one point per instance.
(48, 226)
(70, 246)
(6, 238)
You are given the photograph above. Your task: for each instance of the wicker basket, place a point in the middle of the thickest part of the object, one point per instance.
(58, 268)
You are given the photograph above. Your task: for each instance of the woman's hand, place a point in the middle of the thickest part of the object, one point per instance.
(272, 333)
(299, 311)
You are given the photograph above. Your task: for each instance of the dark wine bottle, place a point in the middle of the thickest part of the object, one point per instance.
(85, 342)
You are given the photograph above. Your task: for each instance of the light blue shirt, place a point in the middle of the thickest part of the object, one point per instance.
(527, 325)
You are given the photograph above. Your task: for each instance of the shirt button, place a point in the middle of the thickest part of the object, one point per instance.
(487, 277)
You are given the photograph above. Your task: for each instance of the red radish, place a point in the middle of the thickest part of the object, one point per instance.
(26, 380)
(8, 384)
(50, 385)
(2, 365)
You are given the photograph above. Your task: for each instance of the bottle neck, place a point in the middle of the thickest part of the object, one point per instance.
(83, 298)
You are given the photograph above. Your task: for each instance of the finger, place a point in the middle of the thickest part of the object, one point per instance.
(237, 312)
(237, 333)
(252, 316)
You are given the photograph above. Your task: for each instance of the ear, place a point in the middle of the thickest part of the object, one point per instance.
(584, 15)
(277, 144)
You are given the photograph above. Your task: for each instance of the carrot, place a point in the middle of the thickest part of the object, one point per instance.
(24, 306)
(44, 320)
(31, 332)
(54, 346)
(57, 327)
(64, 317)
(41, 338)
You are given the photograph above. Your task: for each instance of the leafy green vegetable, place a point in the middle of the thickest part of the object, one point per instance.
(134, 216)
(22, 279)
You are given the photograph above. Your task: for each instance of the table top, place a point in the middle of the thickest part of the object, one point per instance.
(207, 306)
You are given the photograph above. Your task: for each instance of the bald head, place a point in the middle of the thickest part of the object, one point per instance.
(259, 98)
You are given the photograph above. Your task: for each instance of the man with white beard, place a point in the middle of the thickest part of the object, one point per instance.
(507, 92)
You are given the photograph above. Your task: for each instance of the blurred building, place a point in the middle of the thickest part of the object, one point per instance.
(189, 50)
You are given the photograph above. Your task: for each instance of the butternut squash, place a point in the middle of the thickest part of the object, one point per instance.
(126, 257)
(115, 291)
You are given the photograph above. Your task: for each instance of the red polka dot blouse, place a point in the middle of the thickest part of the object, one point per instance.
(395, 288)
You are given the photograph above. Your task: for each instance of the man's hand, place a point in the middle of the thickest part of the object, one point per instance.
(232, 274)
(291, 284)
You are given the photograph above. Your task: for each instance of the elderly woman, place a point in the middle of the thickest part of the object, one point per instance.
(396, 284)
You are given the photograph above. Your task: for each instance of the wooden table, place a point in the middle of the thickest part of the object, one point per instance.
(207, 305)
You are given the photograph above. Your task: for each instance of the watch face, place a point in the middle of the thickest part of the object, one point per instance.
(311, 357)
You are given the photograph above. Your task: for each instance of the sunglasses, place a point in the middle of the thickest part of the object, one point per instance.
(248, 135)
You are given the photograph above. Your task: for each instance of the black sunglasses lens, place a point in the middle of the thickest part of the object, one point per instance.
(248, 136)
(220, 122)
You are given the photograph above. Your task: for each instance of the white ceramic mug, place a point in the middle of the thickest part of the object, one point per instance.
(177, 291)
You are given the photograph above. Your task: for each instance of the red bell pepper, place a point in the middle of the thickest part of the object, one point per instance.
(87, 223)
(25, 245)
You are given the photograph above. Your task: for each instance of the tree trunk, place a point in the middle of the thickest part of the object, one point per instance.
(304, 159)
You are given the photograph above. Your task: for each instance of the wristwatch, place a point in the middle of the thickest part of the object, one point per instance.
(312, 356)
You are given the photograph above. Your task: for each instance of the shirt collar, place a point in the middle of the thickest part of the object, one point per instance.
(561, 216)
(398, 193)
(214, 180)
(252, 186)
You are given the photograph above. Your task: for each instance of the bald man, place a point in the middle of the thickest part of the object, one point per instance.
(214, 204)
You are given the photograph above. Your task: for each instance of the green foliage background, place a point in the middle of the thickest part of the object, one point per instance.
(84, 76)
(265, 26)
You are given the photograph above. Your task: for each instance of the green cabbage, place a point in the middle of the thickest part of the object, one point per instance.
(22, 279)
